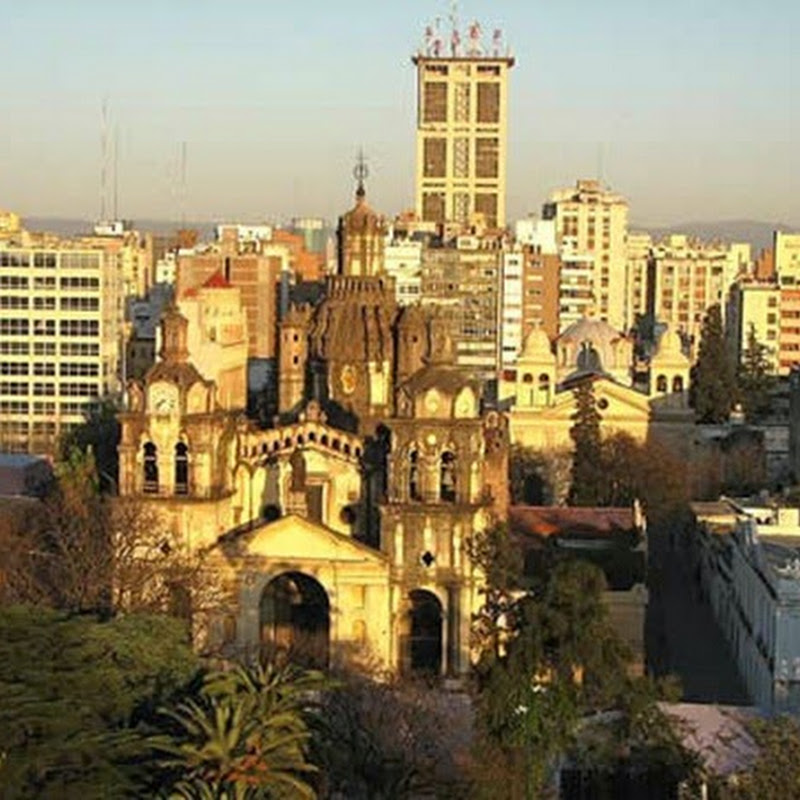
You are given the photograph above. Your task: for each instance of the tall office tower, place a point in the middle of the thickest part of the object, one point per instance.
(61, 339)
(637, 270)
(592, 229)
(462, 118)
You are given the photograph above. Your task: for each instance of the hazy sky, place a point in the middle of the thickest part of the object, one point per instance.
(693, 104)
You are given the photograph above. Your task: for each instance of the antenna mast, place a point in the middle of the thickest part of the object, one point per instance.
(103, 158)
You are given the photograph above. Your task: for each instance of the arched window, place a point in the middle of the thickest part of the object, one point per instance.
(150, 468)
(414, 489)
(181, 468)
(527, 378)
(661, 383)
(544, 383)
(447, 477)
(677, 384)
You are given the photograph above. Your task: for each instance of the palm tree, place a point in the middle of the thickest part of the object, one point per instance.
(245, 737)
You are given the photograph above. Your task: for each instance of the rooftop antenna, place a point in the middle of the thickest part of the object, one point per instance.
(600, 160)
(361, 172)
(183, 184)
(103, 158)
(455, 36)
(116, 172)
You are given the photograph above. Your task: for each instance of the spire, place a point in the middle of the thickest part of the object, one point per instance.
(361, 173)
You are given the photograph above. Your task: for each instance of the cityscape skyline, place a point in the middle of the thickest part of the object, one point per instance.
(689, 115)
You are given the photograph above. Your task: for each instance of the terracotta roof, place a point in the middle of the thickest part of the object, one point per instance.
(217, 281)
(570, 521)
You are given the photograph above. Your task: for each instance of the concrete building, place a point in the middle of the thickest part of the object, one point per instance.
(687, 277)
(755, 307)
(61, 339)
(637, 270)
(462, 120)
(749, 566)
(217, 338)
(403, 261)
(463, 283)
(786, 255)
(592, 225)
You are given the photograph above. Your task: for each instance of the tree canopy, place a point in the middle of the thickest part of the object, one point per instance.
(586, 488)
(713, 390)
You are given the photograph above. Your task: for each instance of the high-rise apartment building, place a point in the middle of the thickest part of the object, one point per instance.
(61, 339)
(755, 306)
(592, 229)
(462, 119)
(687, 277)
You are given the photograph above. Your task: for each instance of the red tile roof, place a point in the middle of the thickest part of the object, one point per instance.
(217, 281)
(570, 521)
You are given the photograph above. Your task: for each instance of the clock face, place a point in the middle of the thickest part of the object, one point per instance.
(432, 402)
(163, 401)
(348, 379)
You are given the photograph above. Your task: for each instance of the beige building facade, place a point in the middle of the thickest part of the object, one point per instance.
(462, 130)
(61, 339)
(592, 228)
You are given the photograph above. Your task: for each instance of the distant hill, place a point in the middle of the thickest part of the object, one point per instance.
(758, 234)
(72, 227)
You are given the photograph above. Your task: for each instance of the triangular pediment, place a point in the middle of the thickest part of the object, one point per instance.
(295, 538)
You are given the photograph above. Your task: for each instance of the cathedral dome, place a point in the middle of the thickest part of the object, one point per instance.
(599, 333)
(591, 345)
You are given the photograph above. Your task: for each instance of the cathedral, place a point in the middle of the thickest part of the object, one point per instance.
(341, 532)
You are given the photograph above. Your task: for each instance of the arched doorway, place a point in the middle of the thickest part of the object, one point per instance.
(295, 621)
(425, 633)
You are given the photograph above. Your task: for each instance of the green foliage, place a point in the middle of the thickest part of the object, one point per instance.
(73, 690)
(713, 389)
(776, 771)
(245, 736)
(99, 435)
(754, 377)
(587, 479)
(499, 560)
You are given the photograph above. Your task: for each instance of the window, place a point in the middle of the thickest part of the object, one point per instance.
(13, 388)
(13, 407)
(181, 468)
(44, 348)
(14, 259)
(486, 157)
(79, 349)
(13, 301)
(47, 282)
(661, 384)
(79, 389)
(435, 157)
(488, 102)
(13, 282)
(79, 368)
(80, 327)
(434, 102)
(46, 368)
(150, 468)
(677, 384)
(44, 408)
(414, 489)
(44, 260)
(81, 282)
(80, 303)
(13, 327)
(44, 327)
(80, 261)
(44, 303)
(14, 348)
(13, 368)
(447, 477)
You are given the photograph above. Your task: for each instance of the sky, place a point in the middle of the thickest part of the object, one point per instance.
(690, 109)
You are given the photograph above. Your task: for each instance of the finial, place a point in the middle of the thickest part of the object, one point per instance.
(361, 173)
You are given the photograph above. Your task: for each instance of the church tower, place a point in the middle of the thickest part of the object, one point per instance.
(293, 358)
(536, 371)
(437, 497)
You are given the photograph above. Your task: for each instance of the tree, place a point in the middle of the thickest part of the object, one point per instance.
(713, 385)
(539, 477)
(494, 554)
(587, 473)
(245, 736)
(776, 768)
(75, 692)
(754, 377)
(99, 435)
